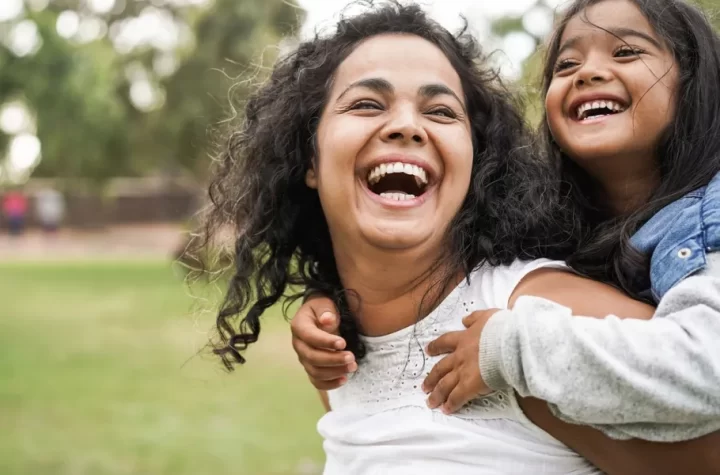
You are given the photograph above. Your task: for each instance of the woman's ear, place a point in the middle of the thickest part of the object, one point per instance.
(311, 179)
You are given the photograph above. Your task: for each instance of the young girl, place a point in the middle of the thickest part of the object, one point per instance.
(633, 118)
(384, 166)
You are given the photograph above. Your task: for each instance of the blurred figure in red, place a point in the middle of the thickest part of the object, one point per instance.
(14, 207)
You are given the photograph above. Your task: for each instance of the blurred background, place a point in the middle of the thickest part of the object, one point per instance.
(110, 112)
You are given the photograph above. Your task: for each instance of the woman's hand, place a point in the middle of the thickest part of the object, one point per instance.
(456, 379)
(318, 346)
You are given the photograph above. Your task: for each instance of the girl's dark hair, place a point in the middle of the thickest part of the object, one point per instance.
(281, 239)
(688, 155)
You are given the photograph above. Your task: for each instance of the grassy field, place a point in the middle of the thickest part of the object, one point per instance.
(100, 374)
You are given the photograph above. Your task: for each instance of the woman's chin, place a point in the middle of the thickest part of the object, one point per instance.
(394, 235)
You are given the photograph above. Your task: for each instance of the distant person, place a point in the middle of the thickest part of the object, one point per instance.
(50, 209)
(14, 206)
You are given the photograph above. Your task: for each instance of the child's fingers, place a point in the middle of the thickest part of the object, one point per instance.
(328, 385)
(442, 390)
(457, 398)
(330, 374)
(310, 356)
(323, 310)
(479, 315)
(307, 329)
(444, 344)
(329, 322)
(443, 367)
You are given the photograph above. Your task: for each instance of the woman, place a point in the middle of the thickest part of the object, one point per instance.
(381, 166)
(589, 59)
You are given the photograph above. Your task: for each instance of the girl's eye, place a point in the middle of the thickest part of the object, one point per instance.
(628, 51)
(443, 112)
(365, 105)
(564, 64)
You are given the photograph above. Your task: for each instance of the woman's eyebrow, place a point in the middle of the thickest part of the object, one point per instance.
(428, 91)
(379, 85)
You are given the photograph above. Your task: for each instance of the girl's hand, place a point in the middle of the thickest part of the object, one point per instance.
(456, 379)
(318, 346)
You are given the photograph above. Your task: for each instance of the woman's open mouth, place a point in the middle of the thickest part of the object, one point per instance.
(398, 181)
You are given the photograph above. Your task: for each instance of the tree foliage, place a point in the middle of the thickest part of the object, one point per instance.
(79, 91)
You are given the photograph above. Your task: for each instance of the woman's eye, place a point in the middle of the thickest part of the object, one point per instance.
(366, 105)
(628, 51)
(443, 112)
(564, 64)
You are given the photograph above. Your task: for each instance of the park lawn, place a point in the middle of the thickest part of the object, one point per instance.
(101, 373)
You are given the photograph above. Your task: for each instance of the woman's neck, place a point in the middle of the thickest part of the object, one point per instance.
(393, 289)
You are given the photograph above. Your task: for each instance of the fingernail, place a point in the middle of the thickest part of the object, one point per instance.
(445, 410)
(352, 368)
(339, 344)
(349, 358)
(327, 316)
(342, 381)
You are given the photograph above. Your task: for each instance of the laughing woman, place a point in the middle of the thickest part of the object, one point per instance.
(383, 165)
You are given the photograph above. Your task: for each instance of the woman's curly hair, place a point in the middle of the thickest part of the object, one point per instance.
(281, 240)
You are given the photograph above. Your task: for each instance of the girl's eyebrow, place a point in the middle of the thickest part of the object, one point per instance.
(617, 32)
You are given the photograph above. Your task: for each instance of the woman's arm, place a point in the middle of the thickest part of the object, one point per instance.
(629, 457)
(656, 380)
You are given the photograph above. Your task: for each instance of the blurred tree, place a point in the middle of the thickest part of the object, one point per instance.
(235, 45)
(110, 105)
(71, 90)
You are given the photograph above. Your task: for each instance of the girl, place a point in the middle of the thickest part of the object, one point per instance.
(633, 116)
(632, 119)
(382, 166)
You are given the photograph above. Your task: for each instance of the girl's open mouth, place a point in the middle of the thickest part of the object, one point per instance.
(591, 110)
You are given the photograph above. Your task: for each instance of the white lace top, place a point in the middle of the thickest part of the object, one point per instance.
(380, 422)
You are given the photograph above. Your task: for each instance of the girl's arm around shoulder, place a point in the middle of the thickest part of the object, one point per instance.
(629, 377)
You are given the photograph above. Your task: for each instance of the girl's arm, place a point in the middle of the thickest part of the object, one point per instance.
(325, 400)
(656, 380)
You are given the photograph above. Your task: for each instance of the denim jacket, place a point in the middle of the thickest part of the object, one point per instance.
(679, 237)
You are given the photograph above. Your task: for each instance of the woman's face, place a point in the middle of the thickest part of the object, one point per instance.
(613, 89)
(394, 147)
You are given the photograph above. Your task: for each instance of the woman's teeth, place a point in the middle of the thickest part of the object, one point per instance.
(397, 196)
(387, 168)
(583, 112)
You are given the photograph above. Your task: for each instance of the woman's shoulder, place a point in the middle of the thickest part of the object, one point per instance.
(495, 283)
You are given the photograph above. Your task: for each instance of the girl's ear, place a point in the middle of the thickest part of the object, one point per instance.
(311, 179)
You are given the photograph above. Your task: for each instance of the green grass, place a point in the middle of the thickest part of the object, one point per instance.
(100, 374)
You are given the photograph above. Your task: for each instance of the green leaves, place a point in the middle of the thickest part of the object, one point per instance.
(80, 92)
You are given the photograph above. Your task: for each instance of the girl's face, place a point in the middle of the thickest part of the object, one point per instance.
(612, 95)
(394, 147)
